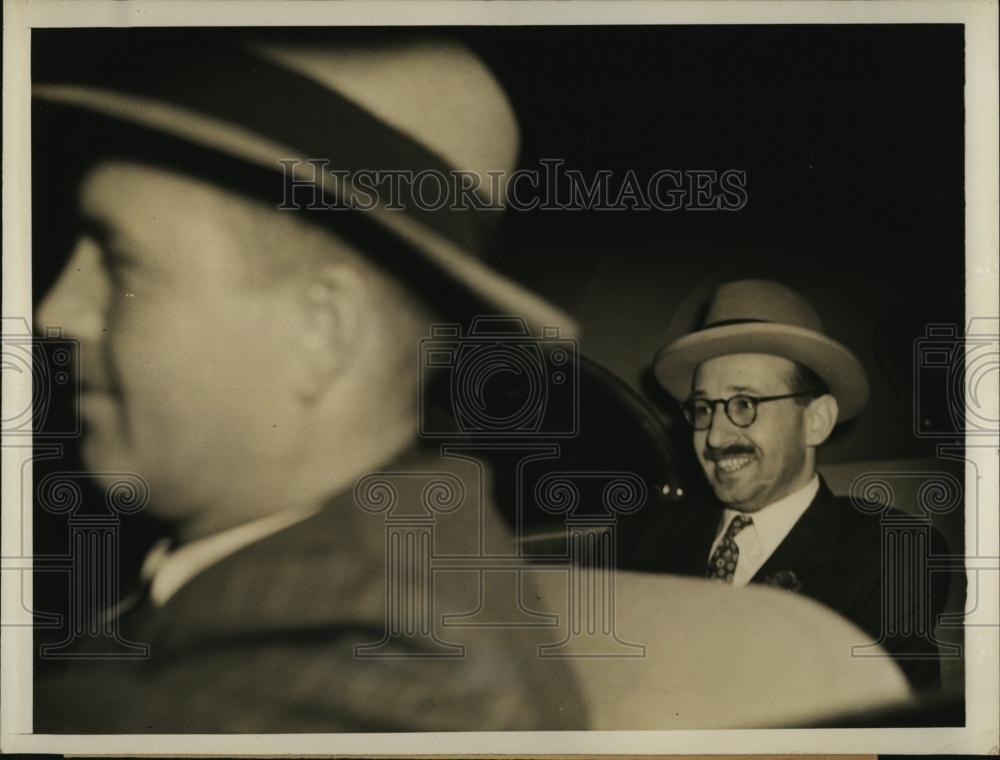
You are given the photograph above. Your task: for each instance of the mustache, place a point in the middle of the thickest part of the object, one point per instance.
(714, 455)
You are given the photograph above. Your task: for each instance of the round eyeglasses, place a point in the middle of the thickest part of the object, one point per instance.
(740, 409)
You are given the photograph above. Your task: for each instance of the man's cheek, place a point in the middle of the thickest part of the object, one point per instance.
(698, 441)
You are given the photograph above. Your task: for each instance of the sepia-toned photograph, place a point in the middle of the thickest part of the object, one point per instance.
(368, 376)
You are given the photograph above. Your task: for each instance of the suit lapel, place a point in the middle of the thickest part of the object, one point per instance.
(809, 541)
(327, 570)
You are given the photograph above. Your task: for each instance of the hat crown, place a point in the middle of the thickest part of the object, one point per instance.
(437, 91)
(761, 301)
(370, 106)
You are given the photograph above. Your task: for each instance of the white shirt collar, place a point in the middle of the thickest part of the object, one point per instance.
(167, 571)
(758, 541)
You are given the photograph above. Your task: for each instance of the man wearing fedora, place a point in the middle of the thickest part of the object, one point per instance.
(251, 364)
(762, 387)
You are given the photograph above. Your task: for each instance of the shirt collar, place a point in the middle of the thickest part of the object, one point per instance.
(166, 570)
(772, 523)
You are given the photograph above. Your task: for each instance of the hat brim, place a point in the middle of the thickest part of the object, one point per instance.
(238, 141)
(833, 362)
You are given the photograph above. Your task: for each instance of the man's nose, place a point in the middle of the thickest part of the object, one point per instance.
(77, 300)
(721, 431)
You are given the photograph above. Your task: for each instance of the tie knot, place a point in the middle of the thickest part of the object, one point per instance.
(738, 524)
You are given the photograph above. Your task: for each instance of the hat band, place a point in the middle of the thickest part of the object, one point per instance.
(727, 322)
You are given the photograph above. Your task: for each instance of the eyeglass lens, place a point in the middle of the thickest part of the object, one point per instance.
(741, 410)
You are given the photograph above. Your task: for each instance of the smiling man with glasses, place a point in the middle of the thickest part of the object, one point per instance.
(762, 388)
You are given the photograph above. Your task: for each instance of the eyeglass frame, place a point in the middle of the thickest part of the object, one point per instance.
(713, 402)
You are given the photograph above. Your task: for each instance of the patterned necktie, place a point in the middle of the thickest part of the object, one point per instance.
(722, 563)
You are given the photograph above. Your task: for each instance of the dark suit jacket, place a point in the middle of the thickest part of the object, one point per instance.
(833, 554)
(264, 640)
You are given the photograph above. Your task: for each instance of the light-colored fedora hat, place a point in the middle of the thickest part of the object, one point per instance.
(764, 317)
(374, 105)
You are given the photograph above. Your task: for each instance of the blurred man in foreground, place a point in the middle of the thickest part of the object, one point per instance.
(252, 363)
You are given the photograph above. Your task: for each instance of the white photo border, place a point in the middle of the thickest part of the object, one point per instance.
(979, 18)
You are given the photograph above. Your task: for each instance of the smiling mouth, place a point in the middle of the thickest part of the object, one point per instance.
(730, 465)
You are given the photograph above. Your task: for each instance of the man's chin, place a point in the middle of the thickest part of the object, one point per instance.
(737, 497)
(103, 459)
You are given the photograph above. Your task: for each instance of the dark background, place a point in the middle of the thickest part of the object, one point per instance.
(851, 138)
(852, 141)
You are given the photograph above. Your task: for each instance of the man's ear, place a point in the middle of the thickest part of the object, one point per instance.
(334, 311)
(820, 418)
